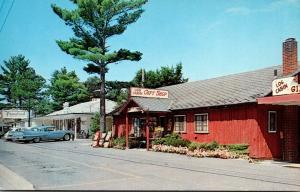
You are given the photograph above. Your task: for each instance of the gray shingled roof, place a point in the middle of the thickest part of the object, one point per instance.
(86, 107)
(152, 104)
(226, 90)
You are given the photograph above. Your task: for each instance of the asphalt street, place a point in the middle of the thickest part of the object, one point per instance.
(75, 165)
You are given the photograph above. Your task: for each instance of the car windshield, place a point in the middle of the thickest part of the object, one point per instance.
(35, 129)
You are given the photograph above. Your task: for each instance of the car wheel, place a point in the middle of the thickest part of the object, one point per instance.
(36, 140)
(66, 137)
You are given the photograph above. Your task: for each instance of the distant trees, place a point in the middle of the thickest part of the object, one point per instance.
(65, 87)
(20, 85)
(93, 85)
(118, 90)
(11, 70)
(165, 76)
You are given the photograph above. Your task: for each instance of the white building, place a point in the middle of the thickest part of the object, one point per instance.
(76, 117)
(11, 117)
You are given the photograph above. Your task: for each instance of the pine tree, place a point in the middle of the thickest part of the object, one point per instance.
(20, 85)
(93, 23)
(165, 76)
(65, 87)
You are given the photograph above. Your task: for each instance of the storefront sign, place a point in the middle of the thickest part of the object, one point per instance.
(14, 114)
(285, 86)
(153, 93)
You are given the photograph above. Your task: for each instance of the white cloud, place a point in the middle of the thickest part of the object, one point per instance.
(238, 10)
(279, 3)
(273, 6)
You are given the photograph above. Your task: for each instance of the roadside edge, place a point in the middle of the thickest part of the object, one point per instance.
(15, 181)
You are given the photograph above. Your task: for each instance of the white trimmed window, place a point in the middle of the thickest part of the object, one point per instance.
(201, 123)
(179, 123)
(272, 122)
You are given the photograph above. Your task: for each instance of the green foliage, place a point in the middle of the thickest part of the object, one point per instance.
(19, 82)
(165, 76)
(94, 127)
(205, 146)
(12, 68)
(121, 142)
(44, 106)
(212, 145)
(65, 87)
(93, 85)
(238, 148)
(158, 141)
(172, 139)
(20, 85)
(117, 90)
(194, 145)
(93, 23)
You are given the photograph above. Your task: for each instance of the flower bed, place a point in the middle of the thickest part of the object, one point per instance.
(173, 143)
(222, 153)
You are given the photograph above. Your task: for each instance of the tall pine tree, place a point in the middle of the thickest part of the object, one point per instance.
(93, 23)
(20, 85)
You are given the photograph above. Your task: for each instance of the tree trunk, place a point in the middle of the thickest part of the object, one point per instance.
(102, 101)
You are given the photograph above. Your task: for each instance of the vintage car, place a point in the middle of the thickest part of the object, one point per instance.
(43, 133)
(9, 135)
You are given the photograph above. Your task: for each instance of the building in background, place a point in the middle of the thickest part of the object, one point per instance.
(12, 117)
(76, 117)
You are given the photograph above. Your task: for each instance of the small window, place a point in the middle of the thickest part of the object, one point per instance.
(201, 123)
(272, 122)
(179, 123)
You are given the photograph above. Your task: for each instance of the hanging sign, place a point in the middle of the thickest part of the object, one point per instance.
(153, 93)
(285, 86)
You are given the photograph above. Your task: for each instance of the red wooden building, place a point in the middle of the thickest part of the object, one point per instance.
(233, 109)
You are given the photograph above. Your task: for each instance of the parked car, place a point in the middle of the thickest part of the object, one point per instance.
(43, 133)
(9, 135)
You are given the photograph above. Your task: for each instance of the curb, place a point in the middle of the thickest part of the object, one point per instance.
(293, 165)
(13, 180)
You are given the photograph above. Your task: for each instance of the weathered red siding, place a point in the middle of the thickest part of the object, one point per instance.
(291, 133)
(235, 125)
(247, 123)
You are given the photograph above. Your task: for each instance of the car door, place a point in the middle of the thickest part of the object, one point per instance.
(53, 133)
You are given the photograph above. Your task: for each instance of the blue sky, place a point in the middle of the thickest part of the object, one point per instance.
(210, 37)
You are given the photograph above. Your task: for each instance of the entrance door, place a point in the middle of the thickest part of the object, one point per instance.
(138, 127)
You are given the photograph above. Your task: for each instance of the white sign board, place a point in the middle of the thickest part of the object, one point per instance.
(285, 86)
(153, 93)
(14, 114)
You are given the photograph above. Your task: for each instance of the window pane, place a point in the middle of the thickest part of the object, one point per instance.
(201, 123)
(179, 123)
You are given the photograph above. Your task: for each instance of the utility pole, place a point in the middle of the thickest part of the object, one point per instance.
(143, 77)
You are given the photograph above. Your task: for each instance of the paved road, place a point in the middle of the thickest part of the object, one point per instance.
(75, 165)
